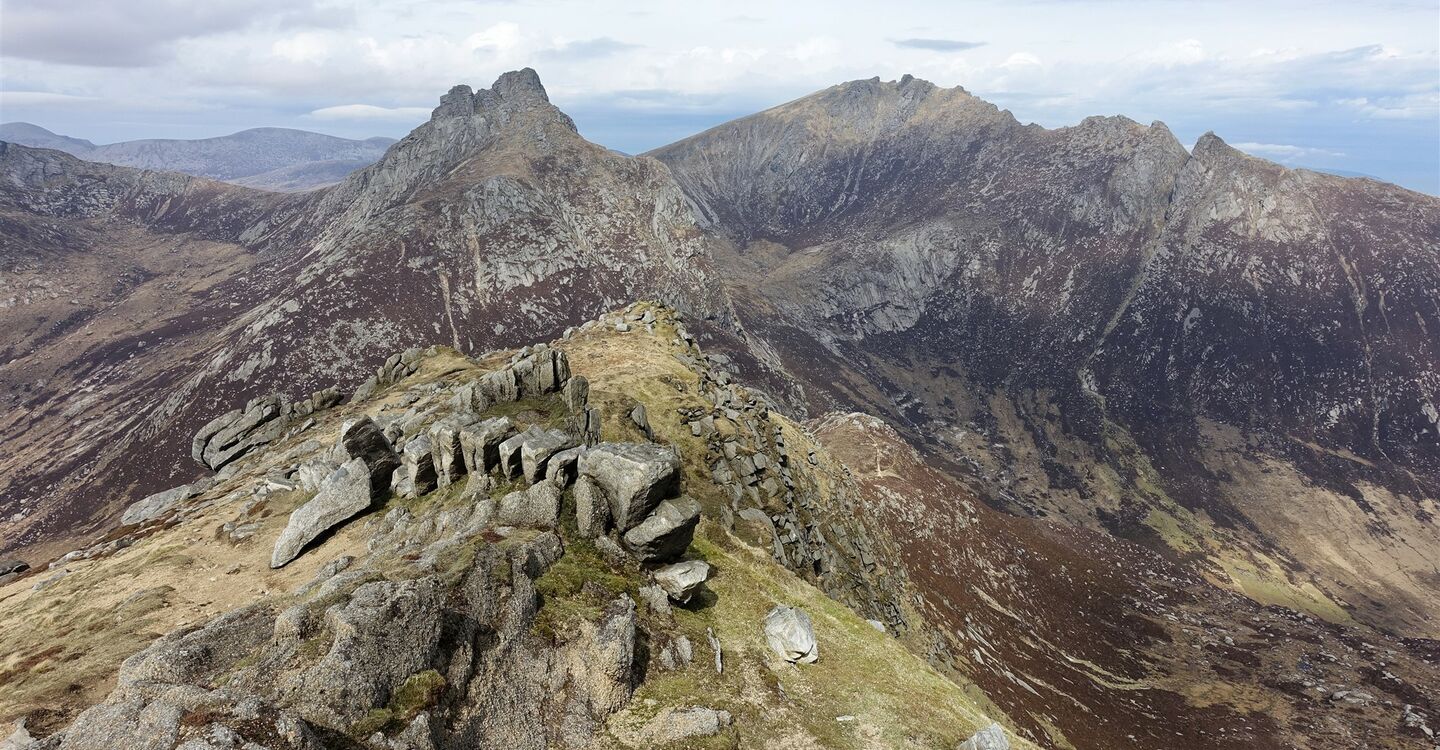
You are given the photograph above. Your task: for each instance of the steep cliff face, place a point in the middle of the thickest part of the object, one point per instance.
(1067, 316)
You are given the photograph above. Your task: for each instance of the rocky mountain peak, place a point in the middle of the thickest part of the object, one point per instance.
(513, 92)
(507, 126)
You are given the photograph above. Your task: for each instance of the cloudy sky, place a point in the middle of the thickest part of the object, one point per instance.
(1350, 86)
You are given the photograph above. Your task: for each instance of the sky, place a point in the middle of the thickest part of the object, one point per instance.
(1351, 87)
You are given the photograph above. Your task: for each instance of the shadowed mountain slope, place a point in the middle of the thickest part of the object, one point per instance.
(1076, 314)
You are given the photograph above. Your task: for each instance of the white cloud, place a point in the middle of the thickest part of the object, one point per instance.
(1285, 152)
(139, 33)
(1406, 107)
(370, 112)
(24, 98)
(1183, 52)
(301, 48)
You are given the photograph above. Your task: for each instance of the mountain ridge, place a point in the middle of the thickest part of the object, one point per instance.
(264, 157)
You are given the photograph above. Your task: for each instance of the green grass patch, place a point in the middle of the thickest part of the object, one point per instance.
(420, 691)
(578, 587)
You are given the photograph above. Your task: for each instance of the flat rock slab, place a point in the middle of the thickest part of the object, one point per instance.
(155, 505)
(678, 724)
(342, 495)
(634, 476)
(789, 632)
(535, 507)
(666, 533)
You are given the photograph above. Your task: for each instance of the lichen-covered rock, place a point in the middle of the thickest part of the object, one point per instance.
(634, 476)
(592, 510)
(445, 436)
(682, 580)
(384, 632)
(641, 418)
(235, 433)
(673, 725)
(536, 507)
(480, 443)
(536, 450)
(563, 467)
(511, 464)
(577, 393)
(543, 371)
(666, 533)
(343, 494)
(791, 635)
(416, 475)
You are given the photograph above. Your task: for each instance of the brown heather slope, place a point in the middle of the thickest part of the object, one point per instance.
(1087, 641)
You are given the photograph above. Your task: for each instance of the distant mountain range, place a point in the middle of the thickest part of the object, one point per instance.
(279, 159)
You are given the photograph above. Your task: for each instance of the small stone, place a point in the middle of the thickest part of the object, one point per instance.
(656, 598)
(673, 725)
(611, 551)
(641, 418)
(715, 647)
